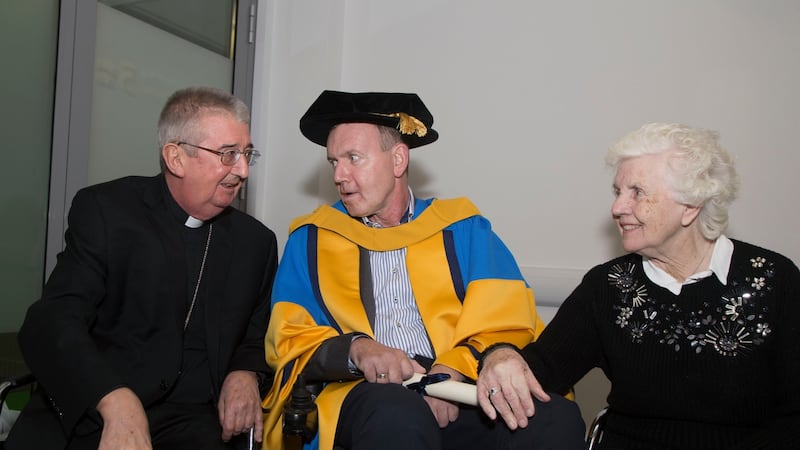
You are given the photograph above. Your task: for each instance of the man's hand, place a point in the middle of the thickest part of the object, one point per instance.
(382, 364)
(505, 386)
(125, 424)
(444, 411)
(240, 405)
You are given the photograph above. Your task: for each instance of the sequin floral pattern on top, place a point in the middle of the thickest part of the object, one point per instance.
(730, 325)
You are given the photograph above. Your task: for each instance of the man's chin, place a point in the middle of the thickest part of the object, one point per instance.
(221, 202)
(226, 194)
(352, 209)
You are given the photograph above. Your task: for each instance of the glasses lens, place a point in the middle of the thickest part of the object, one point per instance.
(229, 157)
(252, 156)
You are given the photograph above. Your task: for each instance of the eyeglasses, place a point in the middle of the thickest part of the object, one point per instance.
(231, 156)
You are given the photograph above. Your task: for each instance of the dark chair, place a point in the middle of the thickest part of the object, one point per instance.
(595, 432)
(25, 382)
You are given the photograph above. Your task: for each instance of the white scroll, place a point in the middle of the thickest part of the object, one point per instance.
(455, 391)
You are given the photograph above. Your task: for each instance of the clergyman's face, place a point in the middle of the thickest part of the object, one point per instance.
(209, 185)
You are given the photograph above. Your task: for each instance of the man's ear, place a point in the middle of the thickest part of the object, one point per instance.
(400, 157)
(173, 156)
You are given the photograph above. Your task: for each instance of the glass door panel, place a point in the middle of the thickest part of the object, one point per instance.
(145, 51)
(28, 43)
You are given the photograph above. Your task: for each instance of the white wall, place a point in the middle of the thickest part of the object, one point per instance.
(527, 95)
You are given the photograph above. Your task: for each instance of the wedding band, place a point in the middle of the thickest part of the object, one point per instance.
(493, 391)
(381, 375)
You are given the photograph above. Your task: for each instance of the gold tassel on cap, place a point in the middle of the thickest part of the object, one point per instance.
(408, 124)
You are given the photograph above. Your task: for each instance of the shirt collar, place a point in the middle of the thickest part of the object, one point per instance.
(719, 266)
(409, 214)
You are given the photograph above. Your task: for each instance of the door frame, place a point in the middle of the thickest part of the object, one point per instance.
(73, 99)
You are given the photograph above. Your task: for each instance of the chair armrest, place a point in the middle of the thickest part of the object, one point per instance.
(595, 432)
(13, 383)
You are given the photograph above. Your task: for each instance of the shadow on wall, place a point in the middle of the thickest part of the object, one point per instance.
(11, 362)
(591, 394)
(320, 182)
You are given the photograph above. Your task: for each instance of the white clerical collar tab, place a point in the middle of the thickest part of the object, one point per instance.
(192, 222)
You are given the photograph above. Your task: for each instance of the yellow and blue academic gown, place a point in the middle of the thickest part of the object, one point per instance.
(466, 283)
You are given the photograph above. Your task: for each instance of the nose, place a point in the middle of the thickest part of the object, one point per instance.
(339, 174)
(241, 168)
(619, 206)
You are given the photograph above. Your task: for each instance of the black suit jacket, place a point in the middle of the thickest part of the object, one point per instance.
(112, 311)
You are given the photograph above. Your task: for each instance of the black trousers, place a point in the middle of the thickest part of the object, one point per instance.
(389, 416)
(172, 427)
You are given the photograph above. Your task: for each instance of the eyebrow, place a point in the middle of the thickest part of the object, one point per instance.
(250, 145)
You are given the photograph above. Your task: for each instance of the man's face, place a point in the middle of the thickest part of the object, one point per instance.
(208, 186)
(366, 176)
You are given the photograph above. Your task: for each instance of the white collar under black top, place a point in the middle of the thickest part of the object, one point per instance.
(177, 211)
(193, 222)
(720, 263)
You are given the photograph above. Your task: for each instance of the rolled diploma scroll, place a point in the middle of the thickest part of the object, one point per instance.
(455, 391)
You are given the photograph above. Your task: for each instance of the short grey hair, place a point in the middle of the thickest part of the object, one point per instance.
(701, 171)
(178, 119)
(389, 137)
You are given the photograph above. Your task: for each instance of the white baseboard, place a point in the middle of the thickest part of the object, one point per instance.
(551, 285)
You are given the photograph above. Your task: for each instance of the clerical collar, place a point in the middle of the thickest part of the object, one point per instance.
(193, 222)
(409, 214)
(177, 211)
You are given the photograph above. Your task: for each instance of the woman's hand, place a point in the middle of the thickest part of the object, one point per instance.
(507, 386)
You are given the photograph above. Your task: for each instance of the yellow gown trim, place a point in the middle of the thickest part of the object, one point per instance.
(478, 321)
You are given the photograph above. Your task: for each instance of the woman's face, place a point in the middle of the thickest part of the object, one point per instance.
(650, 222)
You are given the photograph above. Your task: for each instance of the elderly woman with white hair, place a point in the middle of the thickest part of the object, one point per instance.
(698, 333)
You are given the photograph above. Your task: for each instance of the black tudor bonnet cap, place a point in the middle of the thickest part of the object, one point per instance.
(404, 112)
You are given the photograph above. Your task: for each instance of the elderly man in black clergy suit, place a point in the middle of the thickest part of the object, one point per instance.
(150, 330)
